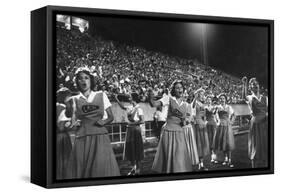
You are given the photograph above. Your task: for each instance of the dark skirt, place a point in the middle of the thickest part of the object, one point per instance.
(224, 138)
(92, 156)
(258, 140)
(63, 153)
(211, 129)
(158, 128)
(172, 153)
(202, 140)
(134, 144)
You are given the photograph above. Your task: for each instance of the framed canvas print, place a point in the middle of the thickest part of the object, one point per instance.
(125, 96)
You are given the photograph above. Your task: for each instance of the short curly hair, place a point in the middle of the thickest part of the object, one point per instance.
(225, 96)
(93, 81)
(253, 80)
(174, 84)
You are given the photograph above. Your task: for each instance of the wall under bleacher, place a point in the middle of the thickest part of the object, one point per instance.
(120, 114)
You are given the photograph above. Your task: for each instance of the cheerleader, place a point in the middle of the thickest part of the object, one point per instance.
(92, 154)
(212, 122)
(188, 123)
(200, 129)
(258, 135)
(134, 151)
(172, 152)
(160, 117)
(224, 137)
(63, 146)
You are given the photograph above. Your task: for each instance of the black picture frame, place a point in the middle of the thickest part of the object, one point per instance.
(43, 52)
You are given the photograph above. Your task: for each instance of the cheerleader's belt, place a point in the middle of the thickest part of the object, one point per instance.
(132, 125)
(259, 118)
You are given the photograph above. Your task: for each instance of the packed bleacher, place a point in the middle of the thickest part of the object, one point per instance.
(122, 69)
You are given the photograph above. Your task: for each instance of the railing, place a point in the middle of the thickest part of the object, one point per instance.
(117, 131)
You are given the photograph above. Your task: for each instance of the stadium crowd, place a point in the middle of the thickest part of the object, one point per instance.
(123, 69)
(189, 133)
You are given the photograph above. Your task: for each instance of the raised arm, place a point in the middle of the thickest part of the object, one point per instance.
(244, 88)
(151, 100)
(119, 103)
(193, 103)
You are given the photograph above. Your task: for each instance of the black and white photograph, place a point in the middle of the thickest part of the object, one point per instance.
(148, 96)
(140, 96)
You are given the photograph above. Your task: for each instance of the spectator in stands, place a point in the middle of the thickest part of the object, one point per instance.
(110, 59)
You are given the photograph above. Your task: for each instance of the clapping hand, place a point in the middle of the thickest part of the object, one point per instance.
(75, 124)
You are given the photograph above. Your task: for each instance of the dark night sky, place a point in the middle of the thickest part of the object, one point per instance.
(236, 49)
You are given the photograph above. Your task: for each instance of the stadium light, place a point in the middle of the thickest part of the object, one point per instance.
(201, 32)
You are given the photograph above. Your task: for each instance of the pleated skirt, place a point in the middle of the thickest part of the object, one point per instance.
(63, 150)
(258, 140)
(191, 143)
(92, 156)
(224, 138)
(172, 154)
(211, 129)
(134, 144)
(202, 140)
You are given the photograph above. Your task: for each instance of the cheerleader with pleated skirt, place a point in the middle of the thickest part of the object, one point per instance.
(92, 154)
(258, 135)
(133, 149)
(212, 123)
(200, 130)
(63, 142)
(190, 135)
(224, 136)
(173, 152)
